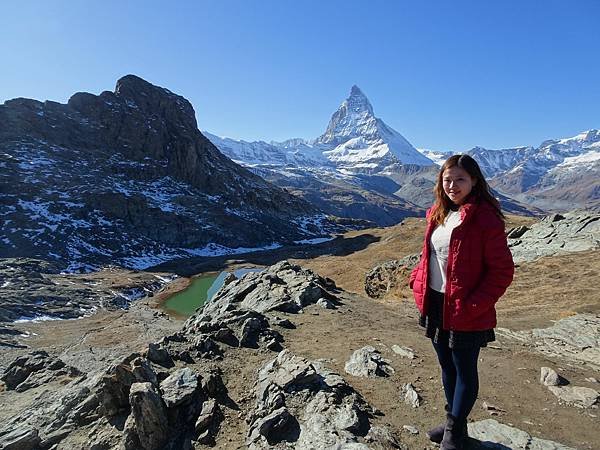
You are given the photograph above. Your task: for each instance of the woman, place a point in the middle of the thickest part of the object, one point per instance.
(465, 268)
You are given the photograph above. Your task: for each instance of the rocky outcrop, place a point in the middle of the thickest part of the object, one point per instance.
(387, 276)
(578, 396)
(35, 369)
(495, 435)
(303, 404)
(574, 339)
(553, 235)
(556, 234)
(172, 395)
(126, 177)
(368, 362)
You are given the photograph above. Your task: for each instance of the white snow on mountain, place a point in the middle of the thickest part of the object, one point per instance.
(580, 161)
(296, 152)
(355, 141)
(438, 157)
(359, 139)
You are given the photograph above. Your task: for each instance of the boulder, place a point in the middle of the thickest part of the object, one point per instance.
(410, 395)
(549, 377)
(179, 387)
(495, 435)
(581, 397)
(149, 416)
(387, 276)
(368, 362)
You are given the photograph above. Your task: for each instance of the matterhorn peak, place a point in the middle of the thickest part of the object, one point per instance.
(350, 120)
(358, 101)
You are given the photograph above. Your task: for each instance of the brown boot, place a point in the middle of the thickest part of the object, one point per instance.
(455, 434)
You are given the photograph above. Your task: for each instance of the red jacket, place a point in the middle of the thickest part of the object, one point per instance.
(480, 268)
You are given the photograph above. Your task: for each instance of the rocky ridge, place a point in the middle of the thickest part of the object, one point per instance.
(171, 395)
(126, 177)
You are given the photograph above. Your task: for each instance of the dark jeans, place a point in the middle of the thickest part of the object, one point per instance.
(459, 376)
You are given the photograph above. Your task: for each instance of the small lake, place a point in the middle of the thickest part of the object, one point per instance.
(201, 289)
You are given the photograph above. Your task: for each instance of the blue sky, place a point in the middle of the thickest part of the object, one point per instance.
(448, 75)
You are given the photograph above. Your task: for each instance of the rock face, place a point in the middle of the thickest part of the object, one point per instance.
(575, 339)
(495, 435)
(555, 234)
(387, 276)
(126, 177)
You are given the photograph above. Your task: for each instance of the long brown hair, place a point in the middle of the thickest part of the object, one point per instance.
(480, 191)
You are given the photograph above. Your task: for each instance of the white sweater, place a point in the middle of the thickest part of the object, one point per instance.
(438, 247)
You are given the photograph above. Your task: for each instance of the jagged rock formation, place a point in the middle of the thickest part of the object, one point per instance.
(171, 395)
(555, 234)
(575, 338)
(304, 405)
(126, 177)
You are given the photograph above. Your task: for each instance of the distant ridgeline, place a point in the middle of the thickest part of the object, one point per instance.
(361, 167)
(126, 177)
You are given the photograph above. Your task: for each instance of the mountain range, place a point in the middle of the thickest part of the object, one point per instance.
(361, 155)
(126, 177)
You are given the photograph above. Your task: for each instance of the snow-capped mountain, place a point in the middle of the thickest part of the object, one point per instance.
(438, 157)
(559, 174)
(360, 142)
(347, 164)
(294, 152)
(355, 141)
